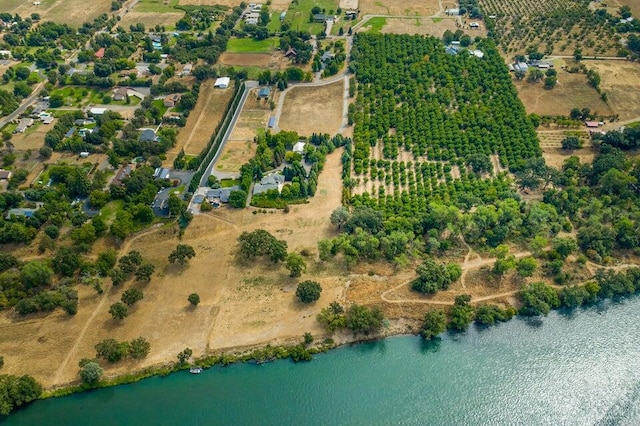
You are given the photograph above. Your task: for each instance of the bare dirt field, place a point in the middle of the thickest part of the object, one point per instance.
(349, 4)
(572, 91)
(551, 144)
(150, 19)
(71, 12)
(400, 8)
(427, 26)
(302, 112)
(246, 59)
(202, 120)
(621, 82)
(236, 153)
(32, 138)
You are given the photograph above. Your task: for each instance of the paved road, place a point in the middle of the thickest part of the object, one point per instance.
(23, 105)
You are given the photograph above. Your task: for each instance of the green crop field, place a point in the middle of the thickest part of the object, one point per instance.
(299, 13)
(249, 45)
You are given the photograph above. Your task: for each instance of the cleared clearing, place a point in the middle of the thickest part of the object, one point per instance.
(572, 91)
(313, 109)
(399, 8)
(620, 81)
(151, 19)
(202, 121)
(246, 59)
(427, 26)
(71, 12)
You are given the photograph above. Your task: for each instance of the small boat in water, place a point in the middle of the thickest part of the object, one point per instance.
(195, 370)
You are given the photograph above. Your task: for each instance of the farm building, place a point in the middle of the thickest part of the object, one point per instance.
(451, 50)
(264, 92)
(521, 66)
(222, 82)
(453, 11)
(299, 147)
(592, 124)
(70, 132)
(291, 53)
(477, 53)
(320, 18)
(161, 173)
(148, 135)
(171, 100)
(23, 125)
(97, 111)
(272, 122)
(269, 183)
(5, 174)
(186, 70)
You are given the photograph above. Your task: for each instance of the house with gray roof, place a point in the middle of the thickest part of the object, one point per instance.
(268, 183)
(221, 194)
(21, 212)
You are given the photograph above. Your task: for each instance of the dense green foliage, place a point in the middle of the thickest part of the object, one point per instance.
(308, 291)
(260, 243)
(182, 254)
(90, 373)
(16, 391)
(113, 351)
(435, 322)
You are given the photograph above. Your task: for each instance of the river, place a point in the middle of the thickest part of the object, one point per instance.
(577, 369)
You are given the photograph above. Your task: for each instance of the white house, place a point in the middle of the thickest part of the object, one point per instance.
(222, 82)
(97, 111)
(299, 147)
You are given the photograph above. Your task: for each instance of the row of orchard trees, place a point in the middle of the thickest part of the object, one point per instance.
(414, 96)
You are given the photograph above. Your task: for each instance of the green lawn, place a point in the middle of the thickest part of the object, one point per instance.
(159, 103)
(157, 6)
(108, 212)
(78, 96)
(226, 183)
(249, 45)
(298, 14)
(375, 25)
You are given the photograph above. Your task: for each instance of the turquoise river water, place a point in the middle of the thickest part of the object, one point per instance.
(567, 369)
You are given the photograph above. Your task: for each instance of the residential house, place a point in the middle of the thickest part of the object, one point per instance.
(291, 53)
(148, 135)
(161, 173)
(97, 111)
(70, 132)
(268, 183)
(221, 194)
(120, 93)
(264, 93)
(5, 174)
(320, 18)
(171, 100)
(23, 125)
(122, 173)
(99, 53)
(186, 70)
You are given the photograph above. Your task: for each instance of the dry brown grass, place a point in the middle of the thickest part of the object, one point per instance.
(572, 91)
(202, 120)
(426, 26)
(397, 8)
(150, 19)
(235, 154)
(71, 12)
(32, 138)
(621, 82)
(313, 109)
(634, 4)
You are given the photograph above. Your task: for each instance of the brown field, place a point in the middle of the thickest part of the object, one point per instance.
(235, 154)
(242, 304)
(397, 8)
(33, 137)
(572, 91)
(621, 82)
(551, 144)
(150, 19)
(425, 26)
(246, 59)
(635, 6)
(202, 121)
(301, 111)
(71, 12)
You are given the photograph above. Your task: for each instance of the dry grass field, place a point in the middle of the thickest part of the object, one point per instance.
(313, 109)
(246, 59)
(551, 144)
(32, 138)
(71, 12)
(242, 304)
(572, 91)
(202, 121)
(427, 26)
(399, 8)
(150, 19)
(620, 80)
(634, 4)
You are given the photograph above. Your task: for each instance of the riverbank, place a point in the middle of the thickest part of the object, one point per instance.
(568, 369)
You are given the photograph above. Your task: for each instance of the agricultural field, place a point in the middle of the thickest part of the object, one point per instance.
(151, 19)
(246, 59)
(309, 110)
(425, 26)
(299, 12)
(249, 45)
(71, 12)
(620, 82)
(555, 156)
(572, 91)
(555, 27)
(399, 8)
(416, 133)
(202, 121)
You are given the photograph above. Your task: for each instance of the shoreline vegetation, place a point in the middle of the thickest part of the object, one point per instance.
(537, 299)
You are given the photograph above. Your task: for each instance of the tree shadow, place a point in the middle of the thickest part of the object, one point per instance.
(430, 346)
